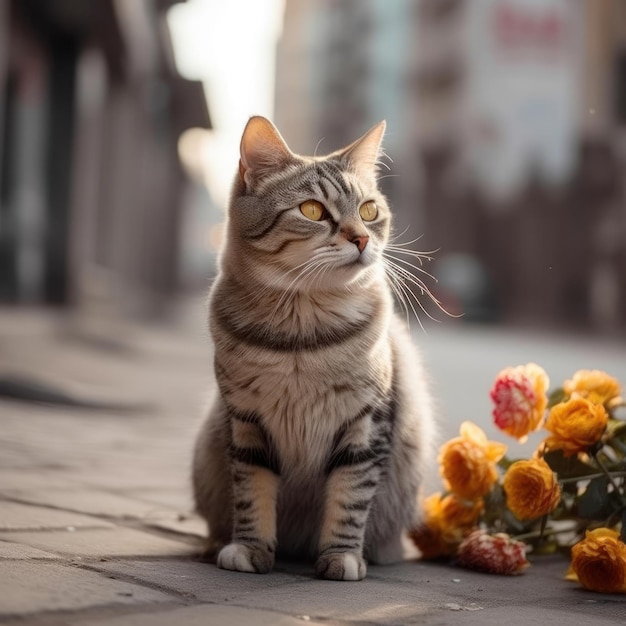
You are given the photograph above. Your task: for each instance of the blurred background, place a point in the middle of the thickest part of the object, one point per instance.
(120, 122)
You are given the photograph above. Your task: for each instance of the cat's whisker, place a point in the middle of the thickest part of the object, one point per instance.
(383, 155)
(416, 253)
(393, 280)
(290, 292)
(308, 275)
(407, 297)
(317, 146)
(415, 267)
(411, 278)
(396, 237)
(404, 244)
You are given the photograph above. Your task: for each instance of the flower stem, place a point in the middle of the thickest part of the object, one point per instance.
(609, 476)
(542, 532)
(575, 479)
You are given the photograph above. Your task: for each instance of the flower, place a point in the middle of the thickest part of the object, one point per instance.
(468, 462)
(446, 522)
(595, 385)
(599, 561)
(575, 425)
(494, 554)
(519, 396)
(531, 489)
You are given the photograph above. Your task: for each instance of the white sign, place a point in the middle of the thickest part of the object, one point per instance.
(524, 81)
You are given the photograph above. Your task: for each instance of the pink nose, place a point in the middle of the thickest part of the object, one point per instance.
(360, 241)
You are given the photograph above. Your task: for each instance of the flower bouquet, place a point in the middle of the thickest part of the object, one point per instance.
(569, 495)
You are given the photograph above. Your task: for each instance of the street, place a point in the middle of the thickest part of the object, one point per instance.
(96, 525)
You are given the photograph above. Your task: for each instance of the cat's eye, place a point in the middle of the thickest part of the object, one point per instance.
(313, 210)
(368, 211)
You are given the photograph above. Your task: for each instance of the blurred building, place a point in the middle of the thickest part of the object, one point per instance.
(91, 109)
(506, 125)
(342, 66)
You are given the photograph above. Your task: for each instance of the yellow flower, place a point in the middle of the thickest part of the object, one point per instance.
(520, 399)
(599, 561)
(447, 521)
(468, 462)
(595, 385)
(575, 425)
(531, 489)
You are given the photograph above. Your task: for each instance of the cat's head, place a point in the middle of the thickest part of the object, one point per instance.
(306, 222)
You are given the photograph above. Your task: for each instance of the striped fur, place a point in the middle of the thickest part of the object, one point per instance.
(317, 442)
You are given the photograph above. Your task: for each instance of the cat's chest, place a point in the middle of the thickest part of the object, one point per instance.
(313, 386)
(303, 399)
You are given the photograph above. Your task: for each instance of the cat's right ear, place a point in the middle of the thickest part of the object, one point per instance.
(262, 150)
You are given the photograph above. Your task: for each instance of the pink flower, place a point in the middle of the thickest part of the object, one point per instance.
(494, 554)
(519, 396)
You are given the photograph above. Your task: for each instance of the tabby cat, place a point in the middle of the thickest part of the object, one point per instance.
(318, 440)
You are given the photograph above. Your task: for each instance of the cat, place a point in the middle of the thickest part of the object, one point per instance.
(322, 428)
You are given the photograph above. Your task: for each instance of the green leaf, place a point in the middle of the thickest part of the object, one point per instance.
(595, 503)
(556, 396)
(504, 463)
(568, 467)
(615, 428)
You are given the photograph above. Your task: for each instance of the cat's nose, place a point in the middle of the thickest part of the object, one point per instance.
(360, 241)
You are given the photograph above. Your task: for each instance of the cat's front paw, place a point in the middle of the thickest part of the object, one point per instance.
(341, 566)
(240, 557)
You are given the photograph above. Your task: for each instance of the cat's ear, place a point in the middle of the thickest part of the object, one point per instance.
(362, 155)
(262, 149)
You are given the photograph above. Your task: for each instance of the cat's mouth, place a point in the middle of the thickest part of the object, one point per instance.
(358, 262)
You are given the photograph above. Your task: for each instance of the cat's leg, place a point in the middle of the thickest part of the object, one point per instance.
(353, 474)
(255, 490)
(212, 478)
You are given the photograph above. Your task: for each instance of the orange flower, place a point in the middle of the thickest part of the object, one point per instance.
(446, 522)
(468, 462)
(531, 489)
(595, 385)
(599, 561)
(494, 554)
(519, 396)
(575, 425)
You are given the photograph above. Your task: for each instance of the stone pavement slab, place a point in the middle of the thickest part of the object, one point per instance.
(407, 593)
(17, 516)
(201, 581)
(183, 525)
(10, 550)
(177, 497)
(93, 502)
(526, 614)
(110, 542)
(30, 587)
(205, 615)
(33, 478)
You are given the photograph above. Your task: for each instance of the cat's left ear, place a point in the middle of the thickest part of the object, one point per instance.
(362, 155)
(262, 150)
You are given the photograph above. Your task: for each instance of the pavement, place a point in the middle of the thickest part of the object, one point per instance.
(96, 519)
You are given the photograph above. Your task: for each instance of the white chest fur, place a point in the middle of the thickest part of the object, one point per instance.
(304, 398)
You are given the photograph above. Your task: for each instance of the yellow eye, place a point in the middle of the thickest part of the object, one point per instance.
(369, 211)
(313, 209)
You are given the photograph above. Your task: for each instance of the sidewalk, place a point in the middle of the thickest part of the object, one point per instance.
(96, 522)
